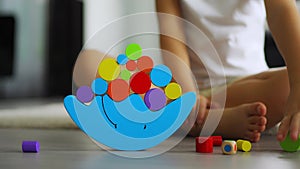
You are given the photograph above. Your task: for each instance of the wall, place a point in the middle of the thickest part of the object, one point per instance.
(30, 55)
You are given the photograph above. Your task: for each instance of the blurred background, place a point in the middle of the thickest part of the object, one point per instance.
(40, 41)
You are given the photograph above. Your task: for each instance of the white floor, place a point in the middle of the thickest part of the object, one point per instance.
(72, 149)
(63, 146)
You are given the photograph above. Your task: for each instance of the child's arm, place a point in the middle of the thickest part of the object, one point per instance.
(173, 26)
(284, 23)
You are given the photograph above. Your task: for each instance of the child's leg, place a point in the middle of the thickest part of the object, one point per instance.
(248, 101)
(270, 88)
(245, 121)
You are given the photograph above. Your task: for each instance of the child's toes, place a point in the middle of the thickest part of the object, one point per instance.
(260, 120)
(259, 128)
(252, 136)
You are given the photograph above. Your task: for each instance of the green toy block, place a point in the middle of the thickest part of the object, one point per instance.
(289, 145)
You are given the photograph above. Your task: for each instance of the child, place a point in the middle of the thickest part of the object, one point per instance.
(236, 28)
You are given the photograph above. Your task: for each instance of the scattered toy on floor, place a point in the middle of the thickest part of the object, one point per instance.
(229, 147)
(243, 145)
(217, 140)
(289, 145)
(204, 144)
(30, 146)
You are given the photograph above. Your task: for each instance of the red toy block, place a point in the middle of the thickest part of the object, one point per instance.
(217, 140)
(204, 145)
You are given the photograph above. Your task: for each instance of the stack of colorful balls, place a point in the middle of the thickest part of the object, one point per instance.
(132, 73)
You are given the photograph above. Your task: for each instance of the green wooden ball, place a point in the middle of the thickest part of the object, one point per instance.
(289, 145)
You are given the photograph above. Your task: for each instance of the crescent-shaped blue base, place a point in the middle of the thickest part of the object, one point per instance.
(108, 126)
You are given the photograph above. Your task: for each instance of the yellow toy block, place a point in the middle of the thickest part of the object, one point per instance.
(243, 145)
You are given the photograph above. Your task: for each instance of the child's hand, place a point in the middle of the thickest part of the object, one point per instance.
(291, 121)
(204, 105)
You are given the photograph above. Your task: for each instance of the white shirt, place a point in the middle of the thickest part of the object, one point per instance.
(235, 28)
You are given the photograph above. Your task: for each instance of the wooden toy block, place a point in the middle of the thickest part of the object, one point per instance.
(217, 140)
(289, 145)
(30, 146)
(243, 145)
(204, 144)
(229, 147)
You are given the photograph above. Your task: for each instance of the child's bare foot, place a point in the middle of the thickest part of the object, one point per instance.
(246, 121)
